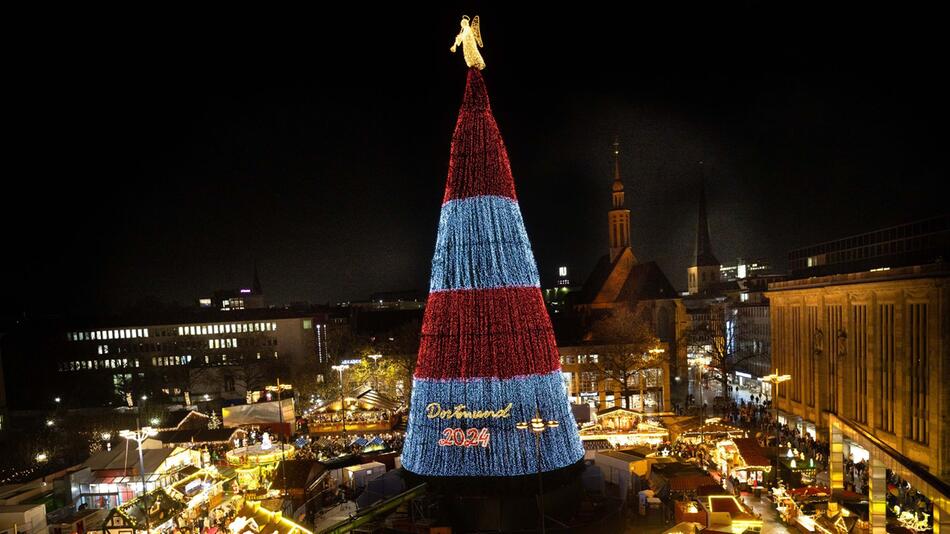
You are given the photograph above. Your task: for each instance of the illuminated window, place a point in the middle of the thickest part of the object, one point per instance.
(211, 343)
(307, 324)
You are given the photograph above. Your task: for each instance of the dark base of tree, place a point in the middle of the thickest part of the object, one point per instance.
(509, 504)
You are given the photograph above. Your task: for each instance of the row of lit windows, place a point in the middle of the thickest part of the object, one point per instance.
(228, 343)
(165, 361)
(81, 365)
(199, 330)
(570, 359)
(229, 328)
(125, 333)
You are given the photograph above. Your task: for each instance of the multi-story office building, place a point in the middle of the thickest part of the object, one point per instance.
(201, 355)
(915, 243)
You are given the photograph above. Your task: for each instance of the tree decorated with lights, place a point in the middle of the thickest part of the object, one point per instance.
(487, 354)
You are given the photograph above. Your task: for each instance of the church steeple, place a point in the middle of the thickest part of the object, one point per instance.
(256, 288)
(704, 270)
(618, 217)
(703, 251)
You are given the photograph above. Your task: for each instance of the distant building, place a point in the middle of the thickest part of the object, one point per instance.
(744, 269)
(560, 298)
(563, 279)
(915, 243)
(202, 355)
(236, 299)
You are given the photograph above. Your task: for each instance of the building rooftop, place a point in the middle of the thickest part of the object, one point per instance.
(934, 270)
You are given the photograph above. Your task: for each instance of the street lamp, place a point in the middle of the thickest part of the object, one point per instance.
(342, 368)
(375, 358)
(280, 414)
(701, 362)
(775, 379)
(654, 356)
(537, 426)
(139, 436)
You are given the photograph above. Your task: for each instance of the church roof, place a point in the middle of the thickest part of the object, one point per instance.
(624, 280)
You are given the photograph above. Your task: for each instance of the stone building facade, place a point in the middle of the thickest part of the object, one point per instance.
(871, 349)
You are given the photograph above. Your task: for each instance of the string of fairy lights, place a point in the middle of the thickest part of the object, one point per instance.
(487, 356)
(482, 244)
(509, 452)
(501, 333)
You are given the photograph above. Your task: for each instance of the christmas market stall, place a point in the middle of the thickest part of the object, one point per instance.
(797, 469)
(622, 427)
(254, 518)
(366, 410)
(154, 512)
(743, 459)
(726, 513)
(201, 492)
(254, 464)
(711, 432)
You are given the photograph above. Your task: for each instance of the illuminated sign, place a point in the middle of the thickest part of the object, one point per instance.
(245, 291)
(351, 362)
(459, 437)
(435, 411)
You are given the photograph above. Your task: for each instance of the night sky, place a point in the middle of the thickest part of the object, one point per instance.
(164, 159)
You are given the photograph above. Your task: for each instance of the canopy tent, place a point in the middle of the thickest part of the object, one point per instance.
(751, 454)
(365, 398)
(712, 432)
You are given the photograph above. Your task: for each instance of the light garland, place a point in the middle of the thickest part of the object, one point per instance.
(487, 354)
(509, 451)
(482, 244)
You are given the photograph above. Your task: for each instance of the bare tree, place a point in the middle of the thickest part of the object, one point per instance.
(400, 348)
(624, 342)
(712, 334)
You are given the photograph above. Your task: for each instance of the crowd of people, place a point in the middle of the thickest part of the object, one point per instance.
(326, 447)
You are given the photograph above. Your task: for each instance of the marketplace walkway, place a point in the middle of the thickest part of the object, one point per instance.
(771, 523)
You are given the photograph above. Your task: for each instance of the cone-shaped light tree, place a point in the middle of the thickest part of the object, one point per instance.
(487, 355)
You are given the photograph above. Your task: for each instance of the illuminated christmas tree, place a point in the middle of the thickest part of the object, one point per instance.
(487, 357)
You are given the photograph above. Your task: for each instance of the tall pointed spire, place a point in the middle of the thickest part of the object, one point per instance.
(703, 254)
(703, 274)
(618, 218)
(256, 288)
(618, 182)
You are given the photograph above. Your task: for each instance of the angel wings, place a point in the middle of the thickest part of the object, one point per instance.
(470, 37)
